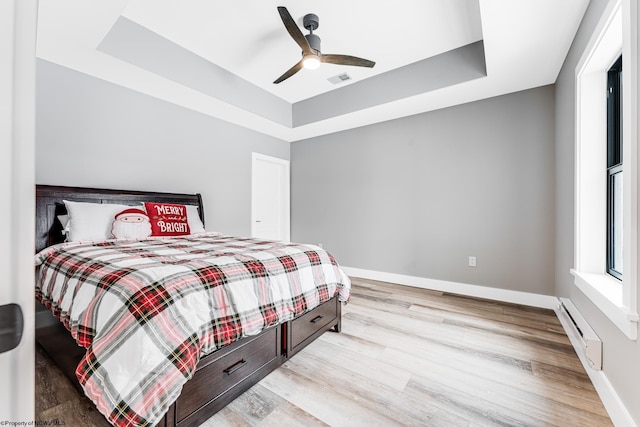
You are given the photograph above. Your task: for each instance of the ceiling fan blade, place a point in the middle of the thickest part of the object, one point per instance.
(294, 30)
(290, 72)
(346, 60)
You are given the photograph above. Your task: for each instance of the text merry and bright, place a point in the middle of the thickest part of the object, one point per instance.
(173, 227)
(169, 210)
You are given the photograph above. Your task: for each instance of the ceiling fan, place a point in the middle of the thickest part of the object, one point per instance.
(310, 45)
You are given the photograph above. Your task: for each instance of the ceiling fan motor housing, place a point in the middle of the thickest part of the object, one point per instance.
(314, 42)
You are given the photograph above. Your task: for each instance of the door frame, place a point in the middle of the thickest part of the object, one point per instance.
(18, 23)
(286, 205)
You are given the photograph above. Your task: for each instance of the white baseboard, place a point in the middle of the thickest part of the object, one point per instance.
(496, 294)
(618, 412)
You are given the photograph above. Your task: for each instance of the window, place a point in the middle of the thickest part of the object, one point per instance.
(606, 135)
(614, 169)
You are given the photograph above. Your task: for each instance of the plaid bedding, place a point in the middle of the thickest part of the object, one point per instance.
(147, 310)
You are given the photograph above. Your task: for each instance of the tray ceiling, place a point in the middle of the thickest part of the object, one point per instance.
(220, 58)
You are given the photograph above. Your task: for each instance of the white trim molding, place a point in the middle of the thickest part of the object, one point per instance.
(496, 294)
(606, 294)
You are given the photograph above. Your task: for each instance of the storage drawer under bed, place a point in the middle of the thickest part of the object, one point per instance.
(243, 362)
(307, 327)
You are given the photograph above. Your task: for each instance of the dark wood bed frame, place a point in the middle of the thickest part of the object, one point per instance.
(220, 376)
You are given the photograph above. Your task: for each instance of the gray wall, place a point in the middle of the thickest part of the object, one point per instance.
(93, 133)
(419, 195)
(621, 358)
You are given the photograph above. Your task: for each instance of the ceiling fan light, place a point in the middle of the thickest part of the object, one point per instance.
(311, 62)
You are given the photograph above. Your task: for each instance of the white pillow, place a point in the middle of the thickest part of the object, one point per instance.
(90, 221)
(193, 218)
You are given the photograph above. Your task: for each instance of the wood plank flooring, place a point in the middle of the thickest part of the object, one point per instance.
(405, 357)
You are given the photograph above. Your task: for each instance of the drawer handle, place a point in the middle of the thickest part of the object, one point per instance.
(231, 369)
(316, 319)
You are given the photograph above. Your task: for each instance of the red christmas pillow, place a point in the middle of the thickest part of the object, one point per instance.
(167, 219)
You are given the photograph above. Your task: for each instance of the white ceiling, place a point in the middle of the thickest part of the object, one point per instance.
(525, 43)
(251, 41)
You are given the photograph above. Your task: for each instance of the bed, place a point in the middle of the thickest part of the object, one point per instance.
(220, 362)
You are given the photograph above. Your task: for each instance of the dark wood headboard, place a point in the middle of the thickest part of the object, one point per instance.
(49, 204)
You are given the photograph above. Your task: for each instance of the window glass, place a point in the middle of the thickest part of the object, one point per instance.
(614, 169)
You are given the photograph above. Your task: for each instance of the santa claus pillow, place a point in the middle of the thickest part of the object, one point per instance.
(167, 219)
(131, 223)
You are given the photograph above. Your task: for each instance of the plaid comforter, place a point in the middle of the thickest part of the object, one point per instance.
(147, 310)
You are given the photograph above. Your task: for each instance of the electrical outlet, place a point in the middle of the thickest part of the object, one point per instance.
(472, 261)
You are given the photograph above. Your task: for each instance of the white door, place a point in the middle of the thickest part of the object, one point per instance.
(17, 193)
(269, 198)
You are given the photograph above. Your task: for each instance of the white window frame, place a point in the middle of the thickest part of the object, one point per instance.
(615, 34)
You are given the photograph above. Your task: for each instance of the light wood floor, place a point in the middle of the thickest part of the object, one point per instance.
(405, 356)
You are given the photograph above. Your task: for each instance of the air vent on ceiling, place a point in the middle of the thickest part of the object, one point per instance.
(340, 78)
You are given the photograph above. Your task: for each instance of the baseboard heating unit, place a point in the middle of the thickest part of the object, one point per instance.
(583, 337)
